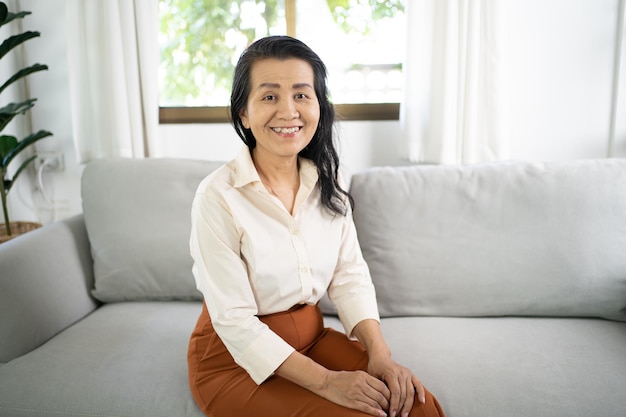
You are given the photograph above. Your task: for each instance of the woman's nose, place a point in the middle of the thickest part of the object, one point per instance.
(288, 110)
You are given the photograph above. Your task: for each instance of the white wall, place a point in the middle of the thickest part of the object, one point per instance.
(560, 87)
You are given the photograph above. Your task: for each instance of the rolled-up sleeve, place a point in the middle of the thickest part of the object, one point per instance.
(351, 289)
(222, 278)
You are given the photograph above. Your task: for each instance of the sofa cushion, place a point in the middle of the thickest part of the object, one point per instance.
(514, 366)
(125, 359)
(137, 214)
(511, 238)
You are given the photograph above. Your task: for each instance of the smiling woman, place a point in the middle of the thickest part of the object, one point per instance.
(272, 233)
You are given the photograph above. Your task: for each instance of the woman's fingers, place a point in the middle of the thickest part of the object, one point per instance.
(379, 392)
(360, 391)
(373, 393)
(405, 389)
(421, 391)
(396, 395)
(407, 404)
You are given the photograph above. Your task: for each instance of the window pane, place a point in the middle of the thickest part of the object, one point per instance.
(361, 41)
(200, 42)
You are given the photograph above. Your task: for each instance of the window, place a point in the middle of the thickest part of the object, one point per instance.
(361, 41)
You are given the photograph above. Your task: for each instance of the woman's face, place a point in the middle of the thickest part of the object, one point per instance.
(282, 109)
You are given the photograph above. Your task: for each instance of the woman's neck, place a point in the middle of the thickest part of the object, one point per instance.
(280, 177)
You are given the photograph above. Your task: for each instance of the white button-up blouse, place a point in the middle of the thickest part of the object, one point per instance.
(252, 257)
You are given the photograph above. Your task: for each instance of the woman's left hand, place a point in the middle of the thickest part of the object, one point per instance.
(401, 383)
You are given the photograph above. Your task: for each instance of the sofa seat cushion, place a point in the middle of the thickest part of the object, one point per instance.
(514, 366)
(124, 359)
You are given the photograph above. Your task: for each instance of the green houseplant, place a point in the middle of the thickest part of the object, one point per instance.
(10, 146)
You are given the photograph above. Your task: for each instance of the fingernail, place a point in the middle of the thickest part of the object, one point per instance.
(393, 414)
(405, 414)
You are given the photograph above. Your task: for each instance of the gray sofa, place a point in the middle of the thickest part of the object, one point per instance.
(503, 286)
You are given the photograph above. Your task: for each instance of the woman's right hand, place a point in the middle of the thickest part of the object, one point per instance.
(357, 390)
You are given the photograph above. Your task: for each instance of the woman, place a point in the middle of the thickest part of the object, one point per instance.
(272, 231)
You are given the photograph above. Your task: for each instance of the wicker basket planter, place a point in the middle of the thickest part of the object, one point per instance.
(17, 228)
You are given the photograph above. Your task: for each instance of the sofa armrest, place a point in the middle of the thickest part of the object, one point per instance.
(45, 281)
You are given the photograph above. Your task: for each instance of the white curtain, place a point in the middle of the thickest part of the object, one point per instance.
(113, 64)
(455, 109)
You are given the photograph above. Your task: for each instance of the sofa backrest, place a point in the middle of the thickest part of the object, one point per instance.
(138, 217)
(495, 239)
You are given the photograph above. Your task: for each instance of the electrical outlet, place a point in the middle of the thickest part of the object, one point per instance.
(51, 159)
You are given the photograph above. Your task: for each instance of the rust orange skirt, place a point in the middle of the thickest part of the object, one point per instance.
(221, 388)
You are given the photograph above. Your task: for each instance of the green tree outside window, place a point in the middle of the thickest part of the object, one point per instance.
(200, 40)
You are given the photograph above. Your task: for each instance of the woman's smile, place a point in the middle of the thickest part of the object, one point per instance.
(282, 110)
(286, 130)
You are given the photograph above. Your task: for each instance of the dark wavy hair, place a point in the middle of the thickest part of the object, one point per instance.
(321, 149)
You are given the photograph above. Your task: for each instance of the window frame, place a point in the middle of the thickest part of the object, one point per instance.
(344, 112)
(221, 114)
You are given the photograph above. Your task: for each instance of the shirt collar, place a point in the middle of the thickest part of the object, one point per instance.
(245, 172)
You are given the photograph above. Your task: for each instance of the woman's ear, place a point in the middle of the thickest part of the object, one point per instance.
(243, 115)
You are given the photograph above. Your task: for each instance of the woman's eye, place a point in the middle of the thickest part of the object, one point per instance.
(269, 97)
(301, 96)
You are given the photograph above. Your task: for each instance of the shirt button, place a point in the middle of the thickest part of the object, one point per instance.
(295, 231)
(304, 269)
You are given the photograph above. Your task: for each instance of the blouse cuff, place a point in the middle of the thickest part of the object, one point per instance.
(353, 311)
(264, 356)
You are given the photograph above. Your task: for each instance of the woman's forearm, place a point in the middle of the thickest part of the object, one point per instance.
(309, 374)
(304, 371)
(353, 389)
(370, 335)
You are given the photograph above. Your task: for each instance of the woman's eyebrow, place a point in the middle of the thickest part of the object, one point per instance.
(276, 85)
(268, 85)
(302, 85)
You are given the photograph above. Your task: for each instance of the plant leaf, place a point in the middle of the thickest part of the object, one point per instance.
(23, 144)
(7, 143)
(12, 16)
(8, 112)
(19, 171)
(16, 40)
(3, 13)
(23, 73)
(20, 107)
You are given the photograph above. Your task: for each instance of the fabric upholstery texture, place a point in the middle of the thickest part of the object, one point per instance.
(138, 216)
(496, 239)
(514, 366)
(125, 359)
(44, 288)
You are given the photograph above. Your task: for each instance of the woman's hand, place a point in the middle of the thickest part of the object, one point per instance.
(401, 382)
(357, 390)
(352, 389)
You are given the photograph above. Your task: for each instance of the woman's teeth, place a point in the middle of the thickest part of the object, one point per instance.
(285, 129)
